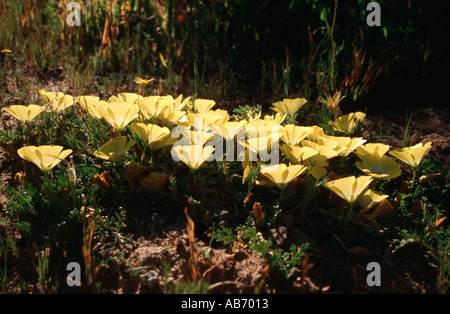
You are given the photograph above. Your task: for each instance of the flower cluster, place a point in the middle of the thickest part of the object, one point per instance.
(195, 133)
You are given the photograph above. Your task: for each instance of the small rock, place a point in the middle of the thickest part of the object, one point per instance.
(150, 279)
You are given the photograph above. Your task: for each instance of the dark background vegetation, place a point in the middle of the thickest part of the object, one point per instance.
(260, 49)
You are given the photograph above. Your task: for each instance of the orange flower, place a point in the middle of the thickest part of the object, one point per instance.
(21, 178)
(249, 199)
(258, 212)
(143, 82)
(439, 221)
(155, 182)
(104, 181)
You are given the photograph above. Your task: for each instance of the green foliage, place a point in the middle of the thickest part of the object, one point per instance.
(246, 112)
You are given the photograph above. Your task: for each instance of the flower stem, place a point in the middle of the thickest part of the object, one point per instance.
(350, 212)
(47, 183)
(143, 153)
(413, 178)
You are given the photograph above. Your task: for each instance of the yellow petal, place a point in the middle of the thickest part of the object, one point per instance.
(203, 105)
(379, 149)
(346, 124)
(289, 106)
(294, 134)
(118, 114)
(379, 167)
(349, 188)
(281, 174)
(370, 198)
(57, 101)
(412, 155)
(192, 155)
(150, 133)
(24, 113)
(44, 156)
(115, 149)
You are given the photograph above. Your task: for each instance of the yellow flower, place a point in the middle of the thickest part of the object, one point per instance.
(57, 101)
(44, 156)
(278, 118)
(205, 118)
(412, 155)
(90, 104)
(259, 145)
(294, 134)
(6, 51)
(297, 154)
(24, 113)
(152, 106)
(126, 7)
(118, 114)
(281, 174)
(186, 104)
(132, 98)
(332, 102)
(341, 144)
(353, 144)
(154, 182)
(370, 198)
(84, 100)
(192, 155)
(92, 108)
(151, 134)
(142, 81)
(379, 167)
(379, 149)
(246, 173)
(330, 142)
(228, 130)
(349, 188)
(166, 141)
(348, 123)
(225, 116)
(316, 132)
(289, 106)
(167, 100)
(203, 105)
(262, 135)
(261, 127)
(170, 117)
(322, 149)
(115, 149)
(196, 137)
(317, 163)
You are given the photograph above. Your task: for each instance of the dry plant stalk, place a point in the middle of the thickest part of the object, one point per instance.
(87, 253)
(193, 260)
(72, 175)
